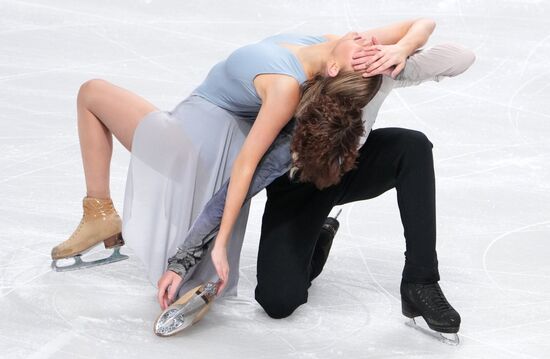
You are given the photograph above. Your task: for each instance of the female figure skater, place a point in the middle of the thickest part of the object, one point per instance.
(221, 131)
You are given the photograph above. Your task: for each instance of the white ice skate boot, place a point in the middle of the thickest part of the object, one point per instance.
(100, 223)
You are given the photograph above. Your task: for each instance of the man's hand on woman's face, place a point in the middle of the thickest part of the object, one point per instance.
(374, 59)
(360, 59)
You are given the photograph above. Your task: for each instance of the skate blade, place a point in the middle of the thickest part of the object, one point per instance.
(116, 256)
(447, 338)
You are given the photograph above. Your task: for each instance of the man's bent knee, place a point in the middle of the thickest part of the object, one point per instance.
(277, 305)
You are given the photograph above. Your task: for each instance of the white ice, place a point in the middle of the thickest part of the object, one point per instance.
(490, 130)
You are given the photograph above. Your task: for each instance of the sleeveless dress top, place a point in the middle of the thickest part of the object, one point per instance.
(230, 83)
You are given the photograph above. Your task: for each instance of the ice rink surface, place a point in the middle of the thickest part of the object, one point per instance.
(490, 129)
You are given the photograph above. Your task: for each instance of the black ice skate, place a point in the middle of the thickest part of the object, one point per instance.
(428, 301)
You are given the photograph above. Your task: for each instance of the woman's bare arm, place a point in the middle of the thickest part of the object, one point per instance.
(411, 33)
(280, 96)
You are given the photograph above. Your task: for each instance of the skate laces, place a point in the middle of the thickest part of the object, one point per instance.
(436, 295)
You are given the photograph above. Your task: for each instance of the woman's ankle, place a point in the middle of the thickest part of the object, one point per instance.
(98, 194)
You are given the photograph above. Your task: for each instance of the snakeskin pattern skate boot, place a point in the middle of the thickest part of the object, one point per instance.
(100, 223)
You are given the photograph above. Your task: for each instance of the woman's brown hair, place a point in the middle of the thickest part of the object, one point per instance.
(329, 126)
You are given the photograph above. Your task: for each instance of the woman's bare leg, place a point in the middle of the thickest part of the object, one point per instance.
(104, 109)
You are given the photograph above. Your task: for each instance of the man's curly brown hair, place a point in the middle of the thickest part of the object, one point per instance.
(329, 126)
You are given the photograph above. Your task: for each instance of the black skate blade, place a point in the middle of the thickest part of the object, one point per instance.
(116, 256)
(447, 338)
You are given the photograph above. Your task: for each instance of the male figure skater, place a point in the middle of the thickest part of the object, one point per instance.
(290, 255)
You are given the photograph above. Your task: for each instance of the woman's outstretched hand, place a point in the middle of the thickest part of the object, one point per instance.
(375, 59)
(168, 286)
(219, 259)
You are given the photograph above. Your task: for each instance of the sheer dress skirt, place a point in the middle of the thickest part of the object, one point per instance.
(179, 160)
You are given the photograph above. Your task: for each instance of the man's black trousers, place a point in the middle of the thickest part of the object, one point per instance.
(295, 212)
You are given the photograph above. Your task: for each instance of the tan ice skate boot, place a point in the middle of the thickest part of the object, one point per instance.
(100, 223)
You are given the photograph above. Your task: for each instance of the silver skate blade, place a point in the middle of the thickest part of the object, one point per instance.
(178, 317)
(447, 338)
(80, 264)
(172, 321)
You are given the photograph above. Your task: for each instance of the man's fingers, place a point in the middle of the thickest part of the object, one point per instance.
(361, 66)
(377, 71)
(370, 48)
(397, 70)
(374, 66)
(371, 52)
(364, 52)
(367, 59)
(388, 71)
(358, 60)
(374, 59)
(365, 43)
(386, 65)
(358, 55)
(376, 47)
